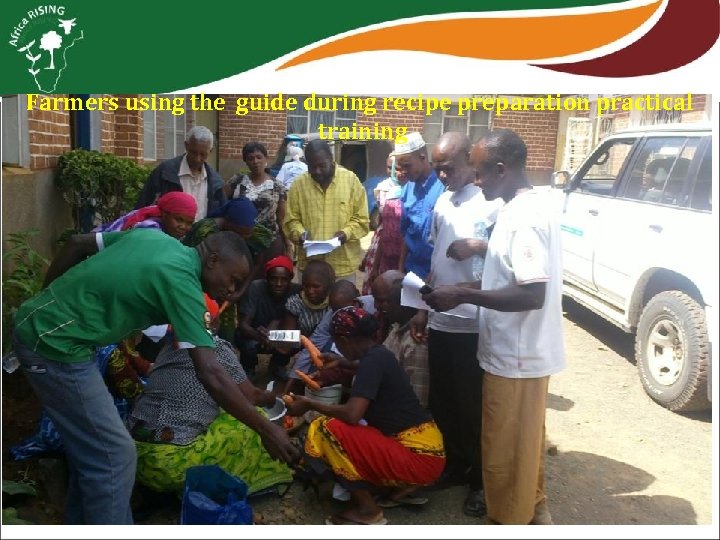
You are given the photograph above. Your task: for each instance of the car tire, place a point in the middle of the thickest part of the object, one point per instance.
(672, 352)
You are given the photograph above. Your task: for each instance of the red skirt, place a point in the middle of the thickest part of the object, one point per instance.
(357, 453)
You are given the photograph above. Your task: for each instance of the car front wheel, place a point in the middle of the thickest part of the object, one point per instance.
(672, 352)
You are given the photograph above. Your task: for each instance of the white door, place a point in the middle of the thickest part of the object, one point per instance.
(586, 208)
(646, 229)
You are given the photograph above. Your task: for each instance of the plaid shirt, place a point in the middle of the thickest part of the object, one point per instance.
(342, 207)
(413, 357)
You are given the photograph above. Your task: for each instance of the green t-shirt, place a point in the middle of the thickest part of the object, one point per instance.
(139, 278)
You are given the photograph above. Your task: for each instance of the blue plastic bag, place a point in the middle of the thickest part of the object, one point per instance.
(212, 496)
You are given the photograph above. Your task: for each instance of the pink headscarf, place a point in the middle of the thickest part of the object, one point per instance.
(173, 202)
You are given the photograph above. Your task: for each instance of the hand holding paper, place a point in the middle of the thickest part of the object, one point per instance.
(320, 247)
(446, 299)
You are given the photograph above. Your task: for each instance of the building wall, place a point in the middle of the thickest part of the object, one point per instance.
(539, 130)
(413, 120)
(29, 197)
(235, 131)
(30, 201)
(127, 128)
(49, 137)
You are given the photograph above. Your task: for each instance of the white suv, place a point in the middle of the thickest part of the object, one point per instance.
(637, 233)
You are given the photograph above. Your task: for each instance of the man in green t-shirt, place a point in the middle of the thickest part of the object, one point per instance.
(130, 280)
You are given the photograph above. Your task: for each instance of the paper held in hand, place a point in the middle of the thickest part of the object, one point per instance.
(320, 247)
(410, 296)
(284, 338)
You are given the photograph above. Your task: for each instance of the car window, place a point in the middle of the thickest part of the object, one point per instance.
(660, 171)
(701, 198)
(601, 173)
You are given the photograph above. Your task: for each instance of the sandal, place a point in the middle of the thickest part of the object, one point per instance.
(408, 500)
(338, 519)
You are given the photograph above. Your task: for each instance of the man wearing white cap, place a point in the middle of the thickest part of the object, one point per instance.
(418, 200)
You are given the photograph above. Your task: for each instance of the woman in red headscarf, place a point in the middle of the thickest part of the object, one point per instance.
(381, 441)
(262, 309)
(174, 214)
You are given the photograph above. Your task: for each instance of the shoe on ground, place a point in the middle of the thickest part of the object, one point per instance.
(450, 477)
(474, 504)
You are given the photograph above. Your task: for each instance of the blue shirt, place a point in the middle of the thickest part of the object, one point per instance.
(418, 201)
(370, 184)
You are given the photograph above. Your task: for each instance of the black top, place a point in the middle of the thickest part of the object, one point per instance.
(394, 407)
(261, 306)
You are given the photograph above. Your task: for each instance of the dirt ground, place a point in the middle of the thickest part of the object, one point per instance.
(614, 457)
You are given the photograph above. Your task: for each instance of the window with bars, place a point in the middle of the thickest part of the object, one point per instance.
(304, 121)
(15, 145)
(170, 127)
(651, 118)
(474, 123)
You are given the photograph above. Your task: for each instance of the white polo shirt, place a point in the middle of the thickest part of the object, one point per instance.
(524, 248)
(454, 217)
(196, 185)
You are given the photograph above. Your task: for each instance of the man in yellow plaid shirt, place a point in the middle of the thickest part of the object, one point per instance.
(325, 202)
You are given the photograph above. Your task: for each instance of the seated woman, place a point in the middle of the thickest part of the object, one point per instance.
(177, 425)
(381, 440)
(261, 309)
(174, 214)
(304, 310)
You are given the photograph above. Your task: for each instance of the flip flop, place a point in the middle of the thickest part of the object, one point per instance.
(408, 500)
(342, 520)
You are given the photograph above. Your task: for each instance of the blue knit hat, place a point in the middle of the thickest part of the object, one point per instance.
(240, 212)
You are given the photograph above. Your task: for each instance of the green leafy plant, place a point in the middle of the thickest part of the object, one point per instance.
(24, 280)
(100, 187)
(12, 491)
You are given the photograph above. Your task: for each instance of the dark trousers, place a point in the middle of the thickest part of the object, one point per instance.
(249, 351)
(455, 399)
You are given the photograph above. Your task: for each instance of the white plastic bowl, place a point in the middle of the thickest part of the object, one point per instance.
(277, 411)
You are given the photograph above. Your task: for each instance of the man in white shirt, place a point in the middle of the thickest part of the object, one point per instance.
(455, 376)
(520, 331)
(189, 173)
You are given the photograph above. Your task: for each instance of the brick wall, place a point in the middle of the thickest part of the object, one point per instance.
(267, 127)
(413, 120)
(539, 130)
(49, 136)
(699, 102)
(128, 131)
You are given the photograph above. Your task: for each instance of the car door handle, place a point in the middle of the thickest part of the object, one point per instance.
(593, 212)
(656, 228)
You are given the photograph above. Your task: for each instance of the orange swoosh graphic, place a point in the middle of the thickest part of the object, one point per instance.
(529, 38)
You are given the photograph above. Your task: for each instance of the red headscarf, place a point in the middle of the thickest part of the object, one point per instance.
(281, 261)
(212, 306)
(173, 202)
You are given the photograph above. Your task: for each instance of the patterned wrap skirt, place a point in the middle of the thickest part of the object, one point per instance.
(228, 443)
(361, 456)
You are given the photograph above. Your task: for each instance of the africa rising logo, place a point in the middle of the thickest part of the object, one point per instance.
(44, 35)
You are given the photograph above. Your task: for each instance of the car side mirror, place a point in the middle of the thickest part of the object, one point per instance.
(560, 179)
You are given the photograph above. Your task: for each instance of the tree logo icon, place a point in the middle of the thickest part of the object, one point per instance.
(46, 38)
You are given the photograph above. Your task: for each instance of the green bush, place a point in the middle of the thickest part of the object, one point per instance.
(25, 280)
(99, 187)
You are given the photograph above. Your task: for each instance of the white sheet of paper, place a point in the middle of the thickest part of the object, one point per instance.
(156, 332)
(320, 247)
(410, 296)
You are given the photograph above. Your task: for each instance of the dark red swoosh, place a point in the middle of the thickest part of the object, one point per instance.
(685, 31)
